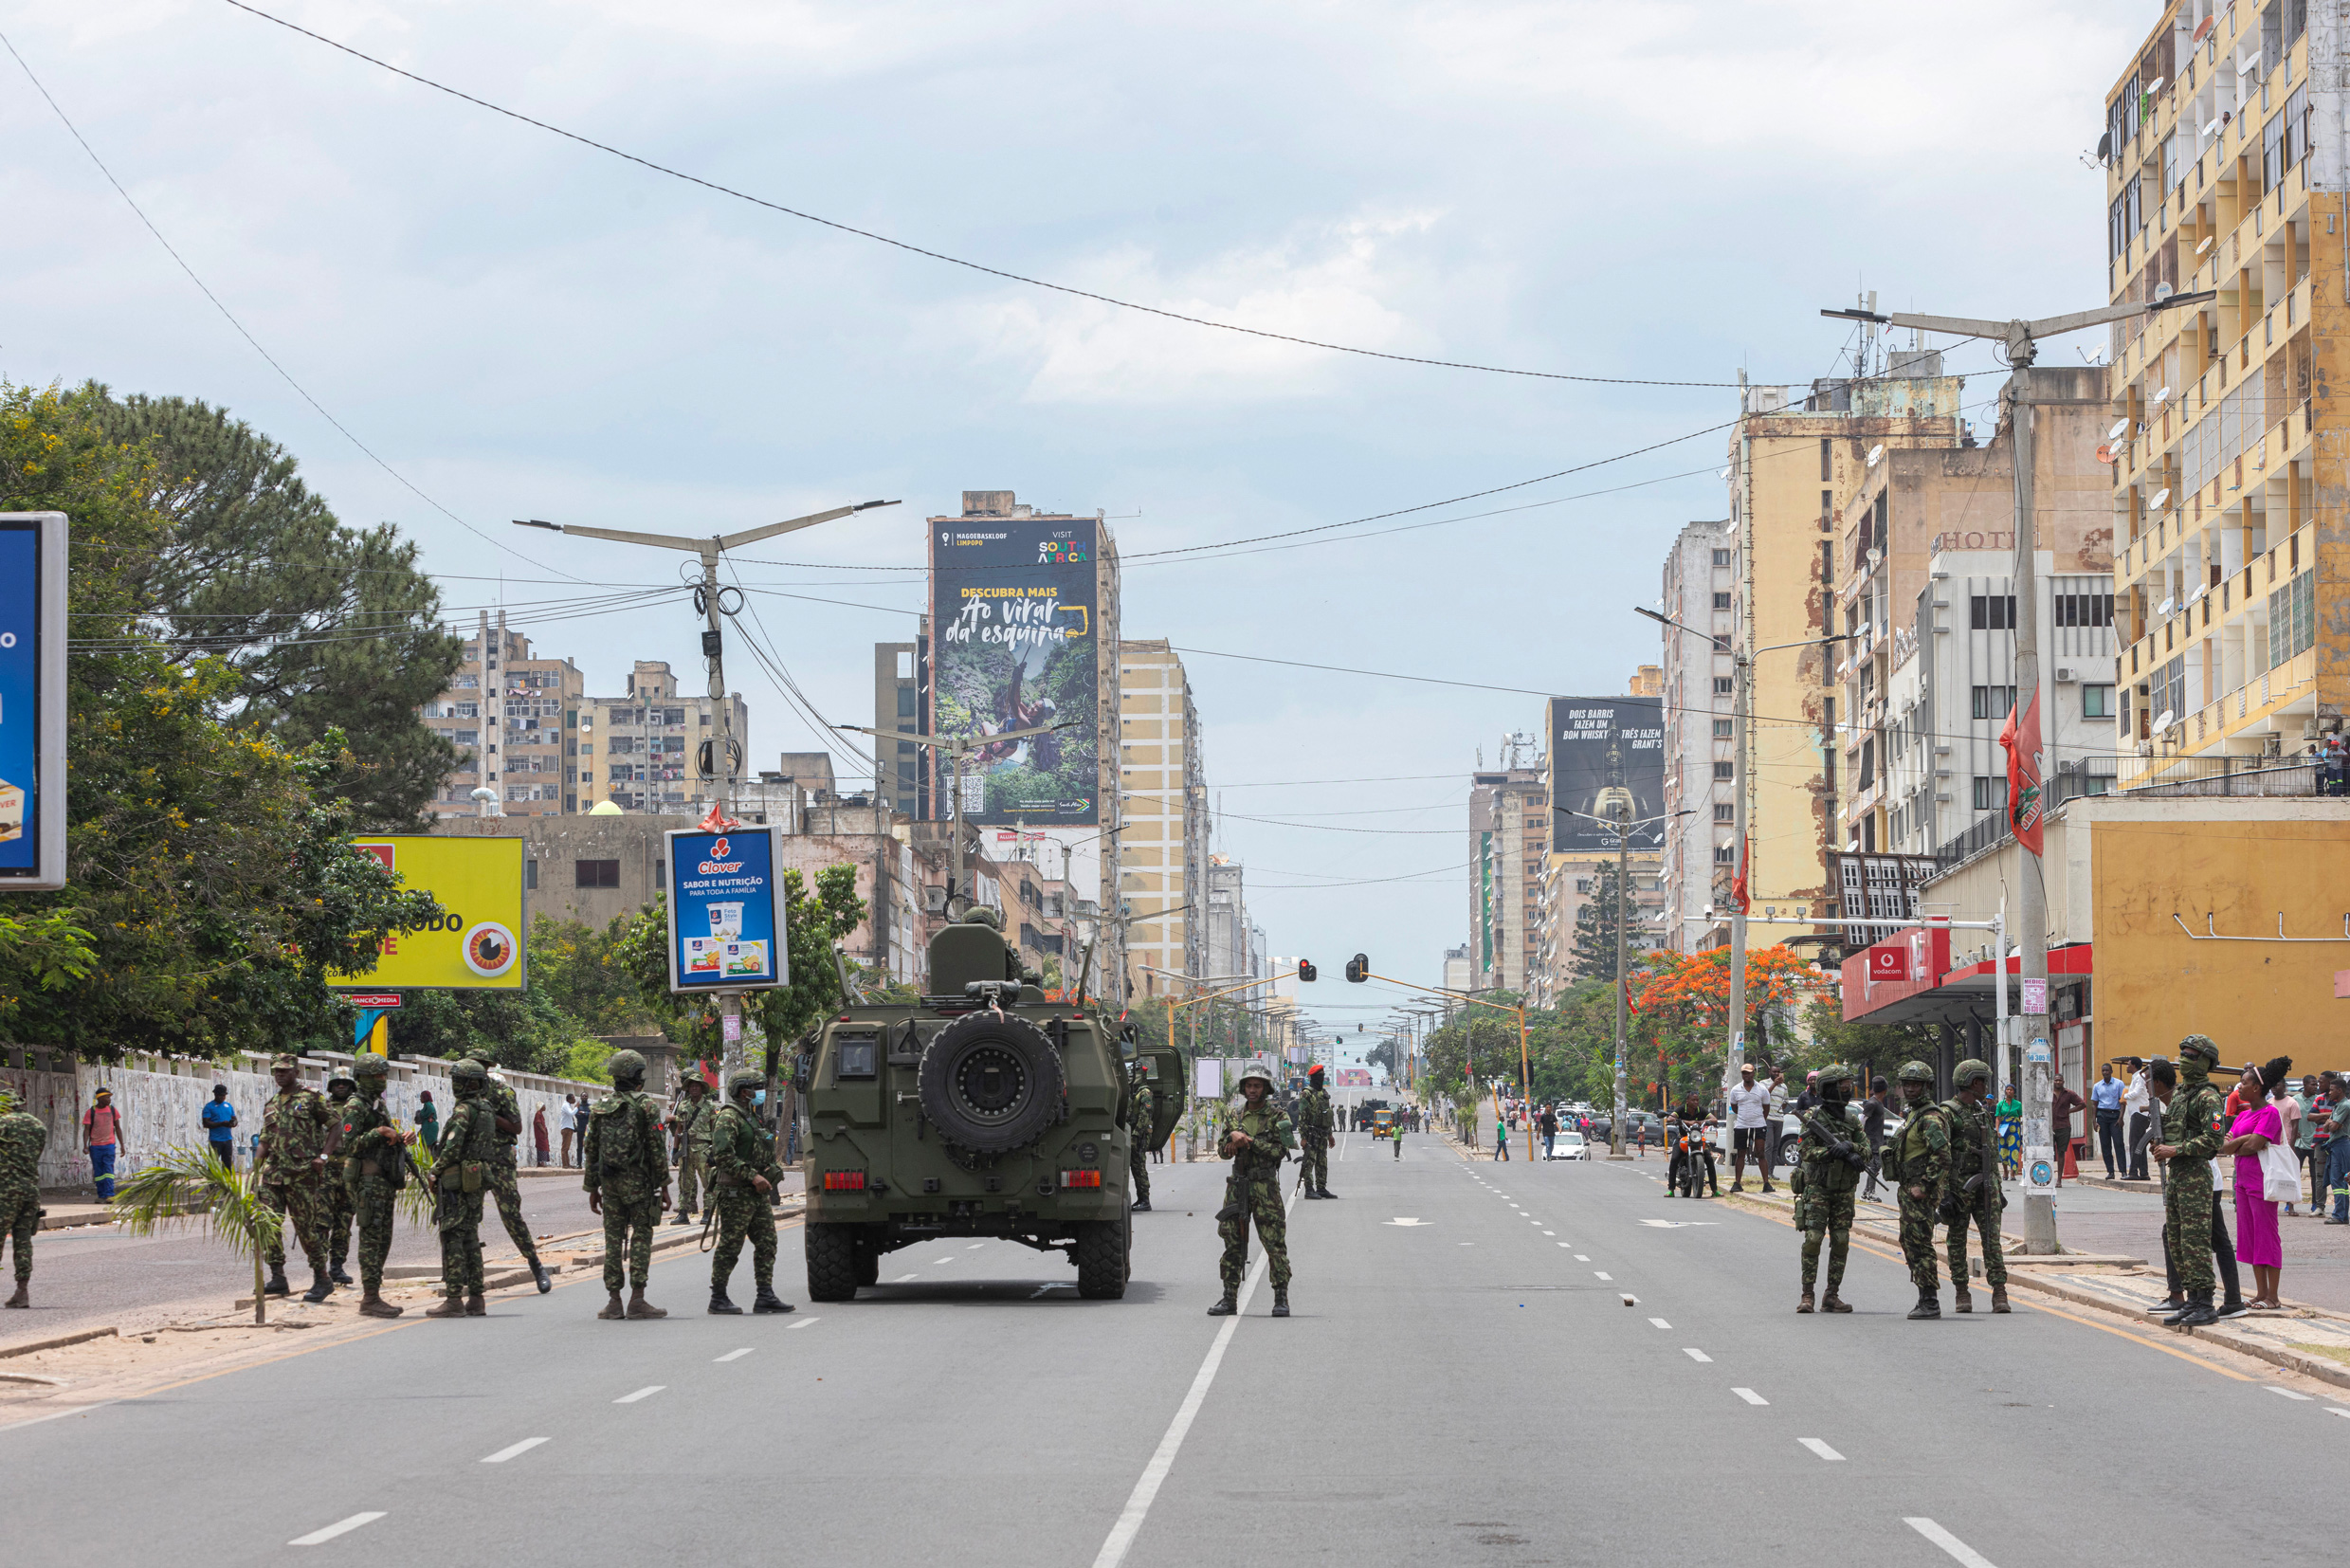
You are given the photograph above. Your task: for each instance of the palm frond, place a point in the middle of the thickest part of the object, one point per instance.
(415, 1202)
(187, 1188)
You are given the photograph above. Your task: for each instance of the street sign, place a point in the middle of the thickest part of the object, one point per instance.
(32, 701)
(384, 1003)
(726, 917)
(477, 944)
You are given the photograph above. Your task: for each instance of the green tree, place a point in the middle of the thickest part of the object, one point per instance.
(813, 922)
(1593, 956)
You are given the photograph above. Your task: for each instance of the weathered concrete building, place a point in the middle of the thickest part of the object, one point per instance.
(640, 749)
(1698, 684)
(511, 714)
(1508, 842)
(1162, 791)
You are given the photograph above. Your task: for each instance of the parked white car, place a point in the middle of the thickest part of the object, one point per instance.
(1569, 1145)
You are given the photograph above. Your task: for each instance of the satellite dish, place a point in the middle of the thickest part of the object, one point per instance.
(2162, 292)
(1875, 452)
(2159, 497)
(2163, 395)
(2118, 426)
(2208, 241)
(2156, 85)
(2105, 147)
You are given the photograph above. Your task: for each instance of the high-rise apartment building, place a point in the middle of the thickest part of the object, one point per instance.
(1698, 683)
(2224, 130)
(511, 715)
(1163, 835)
(1509, 841)
(900, 775)
(640, 749)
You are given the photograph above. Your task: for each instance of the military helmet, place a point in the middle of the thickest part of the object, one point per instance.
(695, 1081)
(341, 1076)
(625, 1064)
(1257, 1067)
(2199, 1045)
(1915, 1072)
(1970, 1071)
(370, 1066)
(741, 1078)
(467, 1070)
(982, 914)
(1834, 1072)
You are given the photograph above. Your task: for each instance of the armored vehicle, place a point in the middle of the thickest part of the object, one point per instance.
(984, 1111)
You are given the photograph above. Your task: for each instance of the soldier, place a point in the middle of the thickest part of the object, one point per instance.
(375, 1166)
(689, 1124)
(22, 1138)
(1914, 1163)
(1257, 1140)
(628, 1182)
(1141, 1124)
(743, 1175)
(503, 1185)
(298, 1133)
(461, 1172)
(335, 1191)
(1969, 1192)
(1314, 1137)
(2194, 1127)
(1830, 1158)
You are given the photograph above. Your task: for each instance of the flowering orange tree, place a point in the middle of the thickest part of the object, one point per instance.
(1680, 1008)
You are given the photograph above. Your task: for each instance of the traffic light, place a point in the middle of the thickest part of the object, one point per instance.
(1359, 968)
(1306, 969)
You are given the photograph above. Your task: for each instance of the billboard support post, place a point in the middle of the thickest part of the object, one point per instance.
(727, 930)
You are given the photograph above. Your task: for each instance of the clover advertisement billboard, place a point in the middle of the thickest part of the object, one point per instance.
(726, 930)
(1595, 743)
(1015, 646)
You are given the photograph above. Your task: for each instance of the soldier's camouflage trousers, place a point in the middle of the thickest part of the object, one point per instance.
(1829, 1218)
(334, 1211)
(460, 1221)
(298, 1199)
(1985, 1219)
(1139, 1166)
(20, 1217)
(371, 1216)
(507, 1189)
(628, 1238)
(1917, 1240)
(1316, 1157)
(692, 1173)
(1264, 1204)
(743, 1211)
(2187, 1223)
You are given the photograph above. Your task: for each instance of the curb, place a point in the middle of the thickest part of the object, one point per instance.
(56, 1341)
(2311, 1366)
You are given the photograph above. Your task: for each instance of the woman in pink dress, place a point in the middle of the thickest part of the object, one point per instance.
(2254, 1128)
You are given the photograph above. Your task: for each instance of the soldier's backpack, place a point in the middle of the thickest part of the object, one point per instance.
(619, 1134)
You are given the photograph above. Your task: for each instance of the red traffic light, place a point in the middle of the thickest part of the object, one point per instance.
(1306, 969)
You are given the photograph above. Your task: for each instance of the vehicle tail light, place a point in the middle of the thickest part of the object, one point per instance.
(843, 1181)
(1080, 1178)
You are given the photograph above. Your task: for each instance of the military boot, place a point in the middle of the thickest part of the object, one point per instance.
(1962, 1298)
(476, 1306)
(451, 1307)
(23, 1296)
(613, 1307)
(767, 1301)
(1998, 1299)
(1835, 1303)
(685, 1217)
(320, 1287)
(2199, 1311)
(720, 1305)
(1929, 1305)
(1804, 1304)
(336, 1271)
(1225, 1307)
(640, 1307)
(373, 1306)
(538, 1272)
(1142, 1206)
(1324, 1192)
(277, 1285)
(1281, 1301)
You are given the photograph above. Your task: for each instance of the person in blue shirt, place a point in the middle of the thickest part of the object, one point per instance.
(2105, 1100)
(220, 1123)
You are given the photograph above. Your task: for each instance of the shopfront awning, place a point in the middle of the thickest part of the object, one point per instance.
(1908, 979)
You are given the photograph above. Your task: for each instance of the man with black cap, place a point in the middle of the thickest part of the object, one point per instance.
(1315, 1122)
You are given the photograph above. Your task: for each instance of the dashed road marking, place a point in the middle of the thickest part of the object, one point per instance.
(1601, 1274)
(975, 1247)
(949, 1258)
(1700, 1356)
(1660, 1322)
(2290, 1394)
(320, 1537)
(1578, 1257)
(807, 1323)
(904, 1279)
(1750, 1396)
(1948, 1543)
(1819, 1447)
(510, 1451)
(739, 1355)
(640, 1394)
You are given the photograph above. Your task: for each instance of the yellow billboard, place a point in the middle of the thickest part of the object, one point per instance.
(478, 944)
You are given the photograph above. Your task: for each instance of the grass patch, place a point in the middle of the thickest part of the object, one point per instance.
(2332, 1353)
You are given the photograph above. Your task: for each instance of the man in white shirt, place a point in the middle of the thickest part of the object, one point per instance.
(1778, 1111)
(1750, 1106)
(2133, 1117)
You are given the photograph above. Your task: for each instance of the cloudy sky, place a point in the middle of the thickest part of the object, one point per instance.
(522, 326)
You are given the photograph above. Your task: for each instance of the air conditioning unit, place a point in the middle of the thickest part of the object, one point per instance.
(2065, 676)
(2145, 748)
(2273, 745)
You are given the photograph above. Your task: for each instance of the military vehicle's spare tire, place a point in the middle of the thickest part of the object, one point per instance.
(991, 1082)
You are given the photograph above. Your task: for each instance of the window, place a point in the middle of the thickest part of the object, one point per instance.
(2272, 159)
(906, 702)
(1825, 459)
(2084, 609)
(1721, 557)
(1721, 601)
(1722, 729)
(2096, 701)
(1990, 793)
(595, 873)
(1582, 884)
(1993, 701)
(1724, 812)
(1725, 685)
(530, 876)
(1990, 612)
(2292, 618)
(1722, 770)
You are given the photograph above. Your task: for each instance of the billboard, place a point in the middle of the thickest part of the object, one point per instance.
(32, 701)
(725, 924)
(1597, 743)
(477, 944)
(1015, 646)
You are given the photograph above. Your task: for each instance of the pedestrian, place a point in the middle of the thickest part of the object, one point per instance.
(2136, 1118)
(2293, 1109)
(627, 1184)
(1640, 1136)
(376, 1154)
(1917, 1162)
(102, 1138)
(1315, 1136)
(1971, 1193)
(504, 1186)
(690, 1127)
(461, 1171)
(1396, 1137)
(428, 1121)
(22, 1138)
(2105, 1097)
(1872, 1123)
(565, 1125)
(1550, 1132)
(1257, 1139)
(2062, 1104)
(2010, 1115)
(2193, 1232)
(2338, 1148)
(1500, 1137)
(743, 1173)
(1830, 1156)
(2259, 1128)
(1810, 1095)
(1775, 1109)
(1750, 1127)
(219, 1125)
(297, 1133)
(335, 1210)
(539, 1135)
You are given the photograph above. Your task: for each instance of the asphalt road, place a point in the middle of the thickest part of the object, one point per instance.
(1463, 1381)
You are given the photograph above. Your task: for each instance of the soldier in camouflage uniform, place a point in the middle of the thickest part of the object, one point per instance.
(1970, 1193)
(743, 1175)
(1257, 1139)
(628, 1182)
(1830, 1156)
(1141, 1122)
(374, 1168)
(690, 1120)
(22, 1138)
(1915, 1161)
(1314, 1134)
(300, 1132)
(335, 1192)
(468, 1141)
(2194, 1127)
(503, 1185)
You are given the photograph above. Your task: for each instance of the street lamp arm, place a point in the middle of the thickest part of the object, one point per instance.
(620, 536)
(767, 531)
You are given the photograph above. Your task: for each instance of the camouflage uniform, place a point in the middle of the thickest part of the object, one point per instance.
(468, 1137)
(294, 1126)
(740, 1148)
(1919, 1156)
(502, 1183)
(2195, 1125)
(373, 1172)
(1141, 1123)
(629, 1171)
(22, 1138)
(692, 1119)
(335, 1204)
(1825, 1208)
(1260, 1167)
(1314, 1124)
(1968, 1125)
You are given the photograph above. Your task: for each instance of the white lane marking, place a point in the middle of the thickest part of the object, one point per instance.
(1819, 1447)
(1552, 1233)
(1701, 1356)
(1949, 1542)
(640, 1394)
(904, 1278)
(949, 1258)
(2290, 1394)
(1571, 1244)
(975, 1247)
(1750, 1396)
(1609, 1278)
(59, 1415)
(739, 1355)
(1406, 1219)
(1129, 1525)
(1660, 1322)
(807, 1323)
(523, 1447)
(320, 1537)
(1472, 1244)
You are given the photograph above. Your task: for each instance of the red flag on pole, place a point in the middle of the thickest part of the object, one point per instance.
(2026, 802)
(1737, 883)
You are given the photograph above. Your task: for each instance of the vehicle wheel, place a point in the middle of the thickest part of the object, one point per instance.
(990, 1081)
(833, 1261)
(1101, 1260)
(868, 1264)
